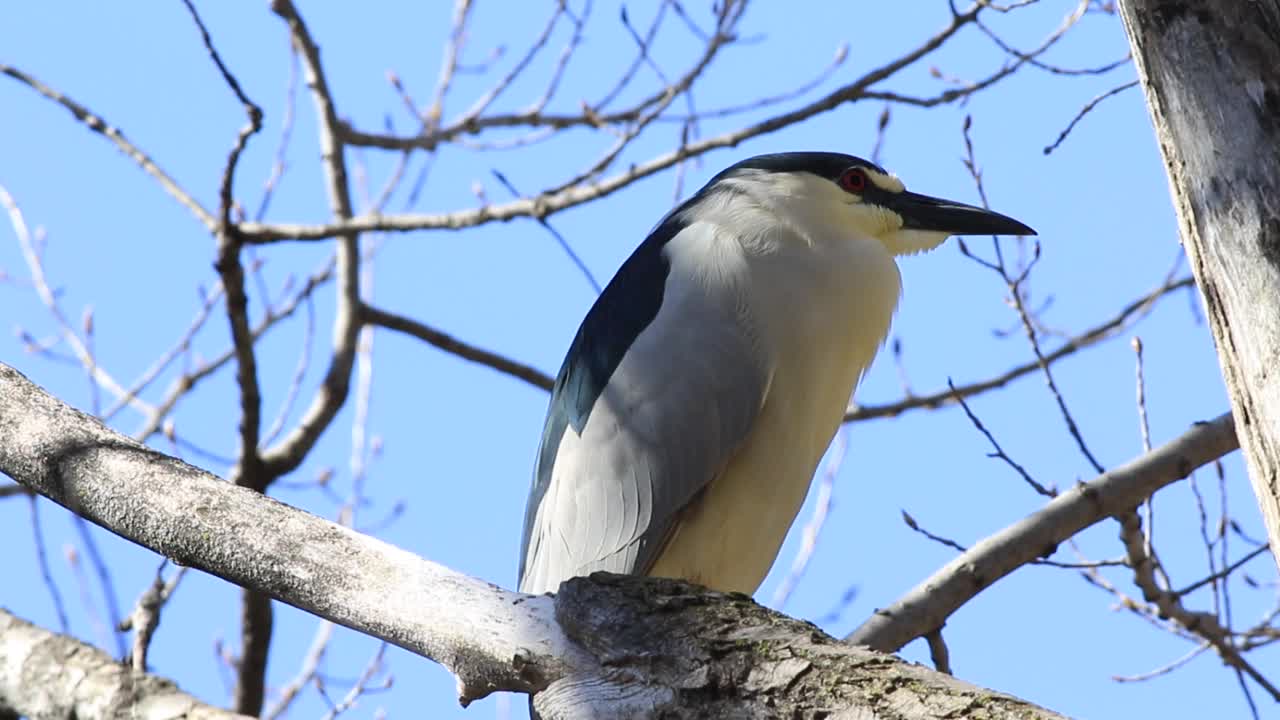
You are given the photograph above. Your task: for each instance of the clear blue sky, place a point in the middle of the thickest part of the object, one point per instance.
(459, 440)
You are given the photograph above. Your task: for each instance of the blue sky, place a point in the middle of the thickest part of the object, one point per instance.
(458, 440)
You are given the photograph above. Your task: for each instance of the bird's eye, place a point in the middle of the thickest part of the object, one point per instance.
(853, 180)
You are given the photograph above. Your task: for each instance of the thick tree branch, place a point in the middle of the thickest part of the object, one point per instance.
(928, 605)
(55, 677)
(197, 520)
(605, 647)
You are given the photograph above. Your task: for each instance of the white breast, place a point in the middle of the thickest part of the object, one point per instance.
(824, 309)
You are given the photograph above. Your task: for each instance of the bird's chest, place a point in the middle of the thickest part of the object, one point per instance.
(826, 314)
(821, 317)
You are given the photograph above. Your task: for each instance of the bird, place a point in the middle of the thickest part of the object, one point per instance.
(710, 375)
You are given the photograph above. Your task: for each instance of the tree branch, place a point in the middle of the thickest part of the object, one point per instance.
(927, 606)
(454, 346)
(332, 393)
(548, 203)
(197, 520)
(605, 647)
(95, 123)
(1128, 315)
(50, 676)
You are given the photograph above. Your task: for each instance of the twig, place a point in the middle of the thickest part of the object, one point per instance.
(35, 265)
(1035, 62)
(564, 244)
(278, 162)
(545, 205)
(46, 574)
(448, 66)
(1014, 284)
(1128, 315)
(450, 344)
(97, 124)
(371, 669)
(310, 666)
(1088, 107)
(579, 21)
(1166, 668)
(299, 373)
(1169, 605)
(999, 451)
(207, 302)
(1223, 573)
(105, 582)
(1144, 427)
(185, 383)
(145, 617)
(482, 103)
(943, 541)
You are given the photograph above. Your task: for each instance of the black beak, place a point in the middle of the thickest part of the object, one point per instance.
(921, 212)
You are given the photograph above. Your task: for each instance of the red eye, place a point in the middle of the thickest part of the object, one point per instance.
(853, 180)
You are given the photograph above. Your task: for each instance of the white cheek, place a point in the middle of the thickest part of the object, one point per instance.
(869, 220)
(910, 242)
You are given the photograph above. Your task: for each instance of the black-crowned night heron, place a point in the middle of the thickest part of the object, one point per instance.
(709, 377)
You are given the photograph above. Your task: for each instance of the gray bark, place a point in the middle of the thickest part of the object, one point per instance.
(604, 647)
(47, 676)
(1211, 71)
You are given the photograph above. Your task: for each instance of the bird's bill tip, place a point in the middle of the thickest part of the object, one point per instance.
(921, 212)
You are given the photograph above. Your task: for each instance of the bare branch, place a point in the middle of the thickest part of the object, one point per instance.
(80, 681)
(449, 66)
(83, 354)
(42, 559)
(1128, 315)
(95, 123)
(332, 393)
(572, 645)
(145, 617)
(187, 381)
(256, 619)
(545, 205)
(452, 345)
(929, 604)
(998, 451)
(310, 666)
(1085, 110)
(1169, 605)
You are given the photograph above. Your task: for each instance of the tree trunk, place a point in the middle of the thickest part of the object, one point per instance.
(1211, 70)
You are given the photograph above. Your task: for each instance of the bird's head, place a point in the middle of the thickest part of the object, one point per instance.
(821, 191)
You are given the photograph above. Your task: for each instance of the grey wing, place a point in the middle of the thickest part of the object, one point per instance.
(680, 400)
